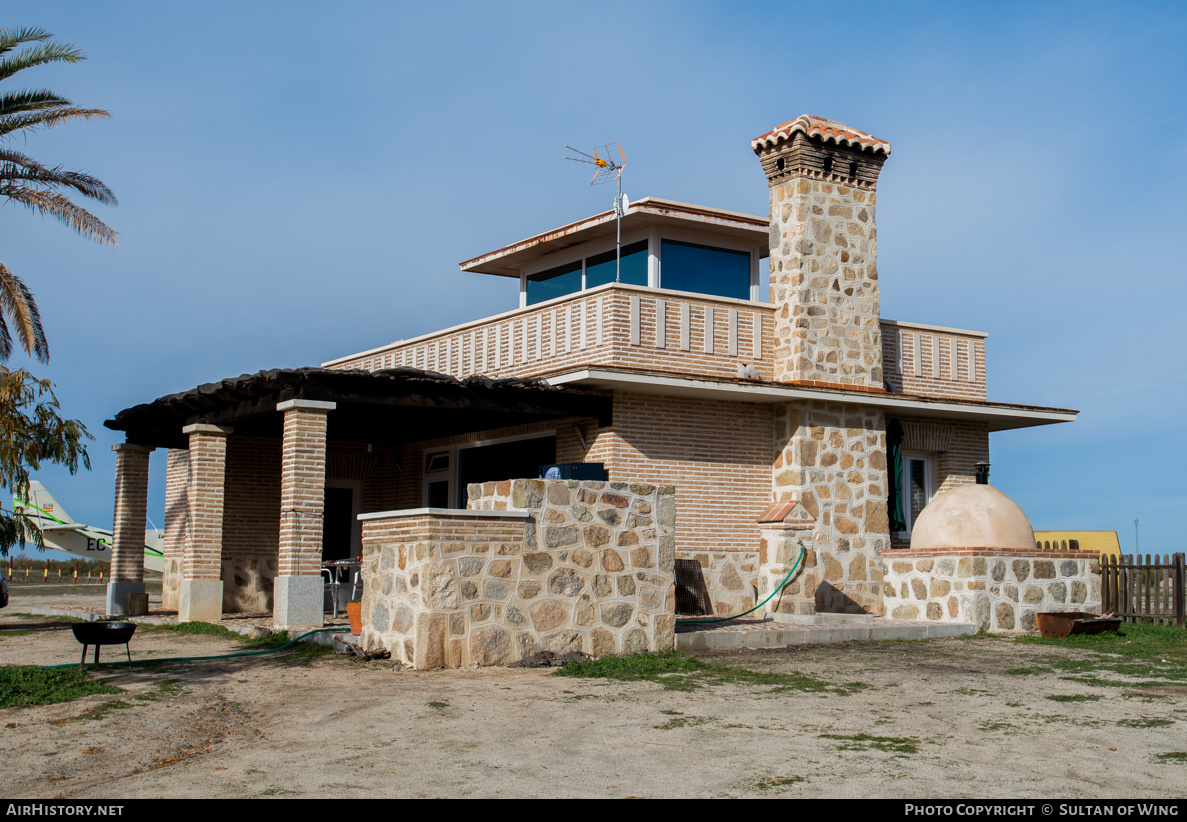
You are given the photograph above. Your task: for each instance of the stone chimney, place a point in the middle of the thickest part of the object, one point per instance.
(823, 177)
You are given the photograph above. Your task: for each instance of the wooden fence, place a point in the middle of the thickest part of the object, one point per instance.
(1144, 590)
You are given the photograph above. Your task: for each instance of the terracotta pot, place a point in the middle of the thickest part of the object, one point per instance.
(354, 612)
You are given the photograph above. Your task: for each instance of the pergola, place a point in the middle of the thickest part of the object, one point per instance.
(305, 408)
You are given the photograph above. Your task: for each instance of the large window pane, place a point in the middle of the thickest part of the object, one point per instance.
(702, 269)
(599, 269)
(555, 282)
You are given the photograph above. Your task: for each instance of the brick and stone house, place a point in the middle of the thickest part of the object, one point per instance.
(795, 420)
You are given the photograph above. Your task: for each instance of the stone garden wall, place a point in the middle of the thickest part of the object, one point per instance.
(997, 591)
(731, 577)
(533, 565)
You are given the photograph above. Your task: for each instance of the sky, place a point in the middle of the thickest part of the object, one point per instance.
(299, 181)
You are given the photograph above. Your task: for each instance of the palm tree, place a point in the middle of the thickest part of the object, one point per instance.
(37, 187)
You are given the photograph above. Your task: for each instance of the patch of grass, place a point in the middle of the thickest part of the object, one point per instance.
(440, 706)
(278, 792)
(5, 633)
(1031, 671)
(683, 722)
(1156, 654)
(1171, 756)
(25, 685)
(683, 672)
(1073, 697)
(861, 742)
(47, 618)
(103, 709)
(162, 690)
(1146, 722)
(972, 692)
(996, 726)
(1013, 704)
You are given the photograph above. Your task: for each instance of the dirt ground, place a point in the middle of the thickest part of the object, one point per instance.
(940, 718)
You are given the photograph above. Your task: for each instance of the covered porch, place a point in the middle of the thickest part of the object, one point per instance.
(268, 473)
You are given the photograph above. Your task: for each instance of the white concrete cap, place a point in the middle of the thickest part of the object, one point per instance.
(972, 516)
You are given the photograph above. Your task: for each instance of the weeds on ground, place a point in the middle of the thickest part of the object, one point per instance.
(1145, 722)
(5, 634)
(1073, 697)
(1155, 654)
(777, 783)
(46, 617)
(683, 672)
(1172, 756)
(25, 685)
(862, 742)
(679, 720)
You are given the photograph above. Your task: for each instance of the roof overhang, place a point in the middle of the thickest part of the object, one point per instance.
(389, 407)
(999, 416)
(650, 212)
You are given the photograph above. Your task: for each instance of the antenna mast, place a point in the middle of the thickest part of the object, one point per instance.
(609, 160)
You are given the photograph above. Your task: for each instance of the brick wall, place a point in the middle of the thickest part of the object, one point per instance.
(177, 478)
(933, 362)
(302, 494)
(204, 519)
(131, 511)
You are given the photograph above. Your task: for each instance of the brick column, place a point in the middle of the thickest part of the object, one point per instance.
(127, 542)
(177, 484)
(298, 591)
(200, 594)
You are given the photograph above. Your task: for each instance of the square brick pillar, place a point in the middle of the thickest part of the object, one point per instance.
(127, 542)
(177, 484)
(200, 593)
(298, 595)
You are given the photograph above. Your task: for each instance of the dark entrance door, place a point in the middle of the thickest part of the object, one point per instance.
(338, 524)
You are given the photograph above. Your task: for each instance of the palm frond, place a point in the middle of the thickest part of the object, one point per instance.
(63, 209)
(28, 34)
(5, 339)
(48, 119)
(16, 301)
(16, 167)
(40, 56)
(29, 99)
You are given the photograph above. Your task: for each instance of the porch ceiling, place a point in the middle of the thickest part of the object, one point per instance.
(390, 407)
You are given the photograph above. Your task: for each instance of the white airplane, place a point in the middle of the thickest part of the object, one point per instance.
(59, 531)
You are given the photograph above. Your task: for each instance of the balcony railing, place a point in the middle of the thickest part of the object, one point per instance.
(615, 325)
(666, 332)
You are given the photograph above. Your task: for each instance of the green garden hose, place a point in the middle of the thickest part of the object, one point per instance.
(196, 658)
(778, 588)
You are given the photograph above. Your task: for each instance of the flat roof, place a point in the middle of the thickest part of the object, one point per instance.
(648, 212)
(998, 415)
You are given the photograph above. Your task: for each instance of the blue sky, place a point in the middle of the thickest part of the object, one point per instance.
(298, 183)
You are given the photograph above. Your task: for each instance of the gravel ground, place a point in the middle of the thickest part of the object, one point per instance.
(941, 718)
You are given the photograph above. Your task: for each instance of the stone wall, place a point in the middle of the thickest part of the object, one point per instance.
(997, 591)
(534, 565)
(731, 577)
(832, 459)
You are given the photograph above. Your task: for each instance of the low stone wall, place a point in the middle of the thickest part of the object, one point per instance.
(731, 577)
(533, 565)
(248, 583)
(998, 591)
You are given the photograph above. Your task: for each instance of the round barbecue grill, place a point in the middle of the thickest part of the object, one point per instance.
(103, 632)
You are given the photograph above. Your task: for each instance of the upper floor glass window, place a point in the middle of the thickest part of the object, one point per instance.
(555, 282)
(600, 268)
(702, 269)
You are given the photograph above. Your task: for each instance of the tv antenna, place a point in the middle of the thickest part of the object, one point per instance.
(609, 161)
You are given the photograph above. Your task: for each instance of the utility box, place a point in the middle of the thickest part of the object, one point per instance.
(574, 471)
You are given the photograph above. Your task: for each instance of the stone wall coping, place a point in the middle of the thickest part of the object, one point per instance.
(899, 553)
(447, 513)
(131, 446)
(203, 428)
(307, 405)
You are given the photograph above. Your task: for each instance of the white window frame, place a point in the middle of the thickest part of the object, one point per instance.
(454, 453)
(929, 482)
